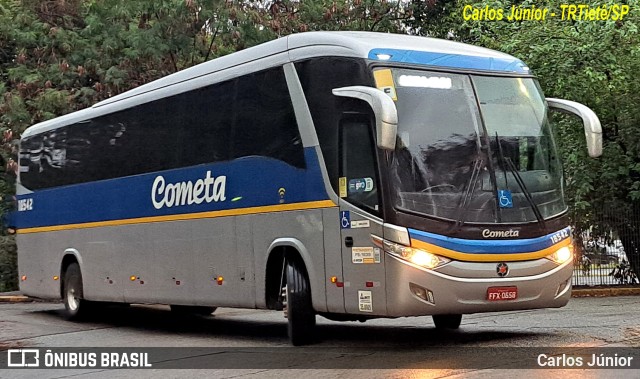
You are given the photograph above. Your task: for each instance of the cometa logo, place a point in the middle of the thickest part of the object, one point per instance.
(210, 189)
(500, 233)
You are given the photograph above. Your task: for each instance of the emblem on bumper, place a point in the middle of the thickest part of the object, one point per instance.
(502, 269)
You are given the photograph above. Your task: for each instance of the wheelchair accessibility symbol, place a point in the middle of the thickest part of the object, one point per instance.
(504, 199)
(345, 220)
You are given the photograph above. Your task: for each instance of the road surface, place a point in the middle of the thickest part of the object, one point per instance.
(376, 347)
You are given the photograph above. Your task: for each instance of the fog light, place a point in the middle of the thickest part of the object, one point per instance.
(422, 293)
(563, 287)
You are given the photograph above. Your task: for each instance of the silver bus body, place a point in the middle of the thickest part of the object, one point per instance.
(160, 245)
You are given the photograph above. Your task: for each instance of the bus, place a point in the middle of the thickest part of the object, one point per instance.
(351, 175)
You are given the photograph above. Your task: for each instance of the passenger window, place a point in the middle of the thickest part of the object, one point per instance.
(247, 116)
(358, 172)
(265, 124)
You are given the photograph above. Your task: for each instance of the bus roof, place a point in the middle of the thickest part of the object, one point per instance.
(370, 45)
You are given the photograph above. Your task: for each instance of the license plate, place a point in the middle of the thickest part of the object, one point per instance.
(502, 293)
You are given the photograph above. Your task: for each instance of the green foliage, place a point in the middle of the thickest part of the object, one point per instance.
(8, 264)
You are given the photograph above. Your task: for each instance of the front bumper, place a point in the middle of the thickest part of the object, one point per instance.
(453, 295)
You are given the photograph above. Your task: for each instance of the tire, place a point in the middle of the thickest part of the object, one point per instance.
(192, 310)
(447, 321)
(300, 314)
(76, 307)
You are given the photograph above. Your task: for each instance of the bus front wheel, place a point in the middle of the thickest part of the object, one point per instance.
(447, 321)
(76, 307)
(299, 311)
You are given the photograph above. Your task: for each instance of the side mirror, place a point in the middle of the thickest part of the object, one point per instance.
(384, 110)
(592, 127)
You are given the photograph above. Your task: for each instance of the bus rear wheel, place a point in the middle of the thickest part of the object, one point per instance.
(76, 307)
(447, 321)
(299, 311)
(192, 310)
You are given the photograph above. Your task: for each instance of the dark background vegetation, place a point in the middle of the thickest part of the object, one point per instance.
(59, 56)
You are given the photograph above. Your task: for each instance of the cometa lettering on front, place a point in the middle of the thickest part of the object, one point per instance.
(500, 233)
(209, 189)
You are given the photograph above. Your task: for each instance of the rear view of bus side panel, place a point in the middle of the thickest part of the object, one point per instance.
(168, 263)
(38, 265)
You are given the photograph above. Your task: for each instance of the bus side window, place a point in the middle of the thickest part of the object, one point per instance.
(264, 120)
(358, 163)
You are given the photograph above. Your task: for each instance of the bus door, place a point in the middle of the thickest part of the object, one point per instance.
(362, 260)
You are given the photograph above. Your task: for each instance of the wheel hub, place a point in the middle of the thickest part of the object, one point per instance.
(285, 296)
(72, 300)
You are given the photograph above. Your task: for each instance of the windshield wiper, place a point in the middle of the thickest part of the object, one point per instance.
(463, 206)
(514, 171)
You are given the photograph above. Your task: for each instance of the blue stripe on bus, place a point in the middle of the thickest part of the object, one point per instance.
(451, 60)
(489, 246)
(250, 182)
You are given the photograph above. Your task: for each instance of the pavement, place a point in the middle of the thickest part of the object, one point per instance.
(14, 297)
(583, 291)
(603, 291)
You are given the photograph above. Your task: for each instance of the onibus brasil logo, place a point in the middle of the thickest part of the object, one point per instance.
(208, 189)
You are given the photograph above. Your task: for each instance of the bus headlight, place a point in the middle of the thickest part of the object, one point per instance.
(562, 255)
(416, 256)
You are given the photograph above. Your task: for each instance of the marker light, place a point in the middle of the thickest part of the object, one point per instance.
(55, 277)
(334, 279)
(383, 57)
(132, 278)
(24, 277)
(220, 279)
(416, 256)
(562, 255)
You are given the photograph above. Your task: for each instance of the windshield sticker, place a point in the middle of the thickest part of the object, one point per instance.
(384, 82)
(424, 81)
(504, 199)
(342, 183)
(360, 185)
(364, 301)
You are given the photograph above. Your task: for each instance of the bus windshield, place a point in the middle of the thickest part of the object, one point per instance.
(474, 148)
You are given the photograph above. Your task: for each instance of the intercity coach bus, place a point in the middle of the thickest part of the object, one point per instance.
(344, 174)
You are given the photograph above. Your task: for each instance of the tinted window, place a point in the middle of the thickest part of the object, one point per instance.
(247, 116)
(265, 123)
(318, 77)
(358, 162)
